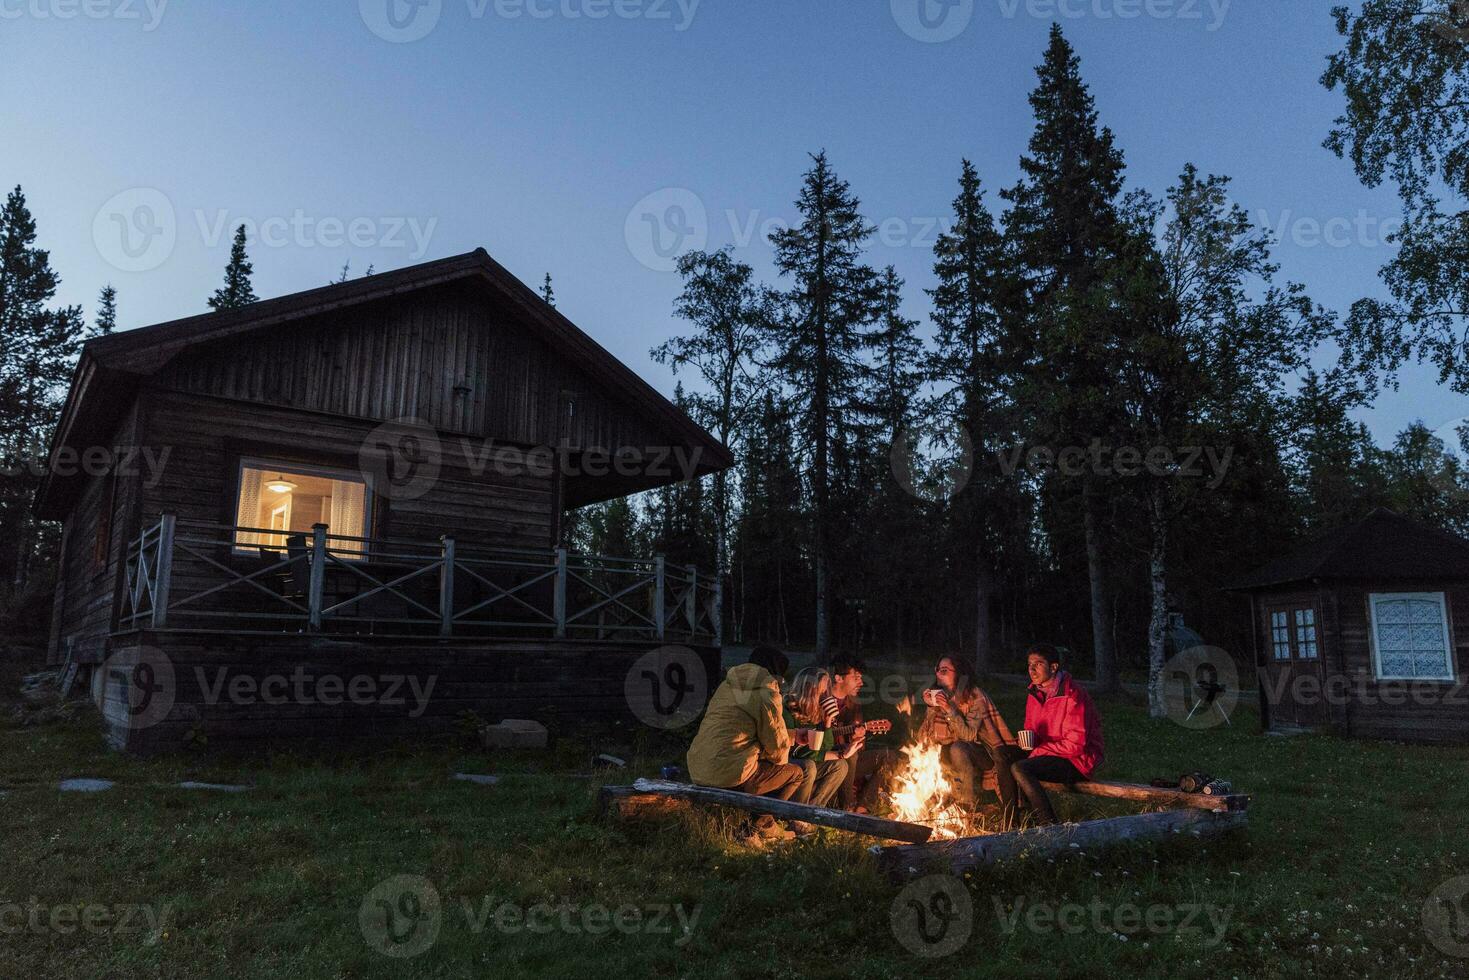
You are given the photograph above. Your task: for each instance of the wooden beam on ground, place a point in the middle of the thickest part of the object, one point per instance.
(969, 853)
(1152, 794)
(855, 823)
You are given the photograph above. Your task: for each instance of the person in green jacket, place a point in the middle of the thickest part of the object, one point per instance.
(810, 712)
(742, 743)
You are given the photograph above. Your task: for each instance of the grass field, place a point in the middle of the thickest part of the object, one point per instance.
(1346, 843)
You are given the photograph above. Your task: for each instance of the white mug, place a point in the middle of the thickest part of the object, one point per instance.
(1026, 738)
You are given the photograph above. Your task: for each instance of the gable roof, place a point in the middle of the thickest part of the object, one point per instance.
(111, 368)
(1382, 545)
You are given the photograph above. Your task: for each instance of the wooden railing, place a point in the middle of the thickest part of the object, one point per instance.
(200, 576)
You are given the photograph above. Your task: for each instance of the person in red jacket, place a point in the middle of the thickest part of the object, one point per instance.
(1066, 728)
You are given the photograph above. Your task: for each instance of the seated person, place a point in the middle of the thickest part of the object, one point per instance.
(1066, 727)
(809, 710)
(742, 743)
(869, 770)
(963, 719)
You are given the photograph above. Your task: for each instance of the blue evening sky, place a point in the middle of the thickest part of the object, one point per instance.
(563, 135)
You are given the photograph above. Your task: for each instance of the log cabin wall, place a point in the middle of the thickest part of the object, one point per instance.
(91, 570)
(206, 438)
(448, 356)
(1427, 711)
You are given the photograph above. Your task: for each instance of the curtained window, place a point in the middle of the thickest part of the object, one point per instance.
(277, 502)
(1410, 636)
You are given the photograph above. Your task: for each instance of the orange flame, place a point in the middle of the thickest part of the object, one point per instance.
(922, 794)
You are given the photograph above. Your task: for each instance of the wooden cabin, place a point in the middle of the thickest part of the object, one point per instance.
(1365, 632)
(365, 480)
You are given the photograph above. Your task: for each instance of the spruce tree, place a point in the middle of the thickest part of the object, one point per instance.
(38, 346)
(106, 312)
(965, 365)
(819, 342)
(237, 290)
(1064, 227)
(547, 293)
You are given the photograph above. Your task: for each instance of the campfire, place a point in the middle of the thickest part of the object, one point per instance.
(922, 794)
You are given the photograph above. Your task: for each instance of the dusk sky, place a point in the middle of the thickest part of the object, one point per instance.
(560, 134)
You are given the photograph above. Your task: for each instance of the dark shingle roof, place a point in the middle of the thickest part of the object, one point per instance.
(1382, 545)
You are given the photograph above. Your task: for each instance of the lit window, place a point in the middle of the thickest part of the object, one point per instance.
(277, 503)
(1280, 635)
(1410, 636)
(1306, 634)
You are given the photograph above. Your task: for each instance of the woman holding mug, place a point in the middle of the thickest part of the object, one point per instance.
(1062, 727)
(963, 719)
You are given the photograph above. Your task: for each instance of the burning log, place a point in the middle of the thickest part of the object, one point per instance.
(969, 853)
(856, 823)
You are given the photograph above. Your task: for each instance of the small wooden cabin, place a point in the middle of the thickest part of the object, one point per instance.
(365, 480)
(1365, 632)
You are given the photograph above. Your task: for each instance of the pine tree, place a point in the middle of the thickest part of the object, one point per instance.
(547, 293)
(1063, 224)
(965, 365)
(38, 346)
(106, 312)
(819, 344)
(236, 291)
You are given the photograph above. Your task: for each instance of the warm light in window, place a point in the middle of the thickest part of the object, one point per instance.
(280, 486)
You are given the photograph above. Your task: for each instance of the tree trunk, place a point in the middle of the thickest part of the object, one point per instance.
(1102, 649)
(1158, 622)
(984, 586)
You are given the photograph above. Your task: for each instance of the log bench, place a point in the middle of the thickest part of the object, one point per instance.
(1139, 793)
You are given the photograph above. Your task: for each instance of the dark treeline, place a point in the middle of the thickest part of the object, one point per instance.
(1113, 415)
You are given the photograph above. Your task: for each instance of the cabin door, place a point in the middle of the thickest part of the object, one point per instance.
(1293, 673)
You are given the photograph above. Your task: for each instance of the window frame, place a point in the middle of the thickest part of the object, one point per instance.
(1443, 618)
(256, 462)
(1291, 611)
